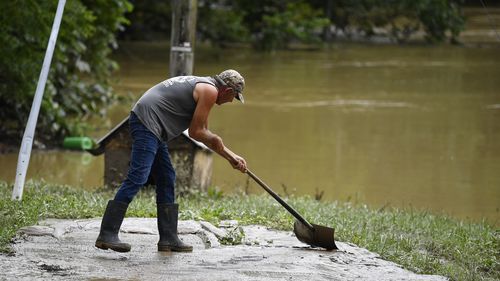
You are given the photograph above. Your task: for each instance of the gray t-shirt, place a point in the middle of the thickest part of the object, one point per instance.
(167, 108)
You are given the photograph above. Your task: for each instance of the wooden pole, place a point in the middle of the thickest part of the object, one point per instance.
(183, 37)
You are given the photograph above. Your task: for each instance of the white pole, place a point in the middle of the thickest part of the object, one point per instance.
(29, 132)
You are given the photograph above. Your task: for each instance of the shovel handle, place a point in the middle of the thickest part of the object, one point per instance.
(273, 194)
(281, 201)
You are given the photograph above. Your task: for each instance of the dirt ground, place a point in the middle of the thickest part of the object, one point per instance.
(64, 250)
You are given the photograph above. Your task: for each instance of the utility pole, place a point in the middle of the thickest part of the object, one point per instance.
(183, 37)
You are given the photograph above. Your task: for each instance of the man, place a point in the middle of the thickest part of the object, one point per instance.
(160, 115)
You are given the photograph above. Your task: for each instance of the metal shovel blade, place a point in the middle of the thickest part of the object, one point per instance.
(318, 236)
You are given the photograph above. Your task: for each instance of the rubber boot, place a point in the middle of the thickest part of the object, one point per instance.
(167, 227)
(110, 226)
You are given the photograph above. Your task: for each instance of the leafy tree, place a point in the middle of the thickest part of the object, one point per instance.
(276, 24)
(150, 20)
(219, 24)
(401, 17)
(273, 24)
(298, 22)
(267, 24)
(78, 82)
(440, 16)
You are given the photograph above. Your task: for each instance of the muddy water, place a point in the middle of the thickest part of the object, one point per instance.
(384, 125)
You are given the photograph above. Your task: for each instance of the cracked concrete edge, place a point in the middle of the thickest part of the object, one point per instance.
(218, 232)
(209, 239)
(57, 228)
(51, 227)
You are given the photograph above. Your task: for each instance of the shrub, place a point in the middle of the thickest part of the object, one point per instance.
(439, 19)
(79, 78)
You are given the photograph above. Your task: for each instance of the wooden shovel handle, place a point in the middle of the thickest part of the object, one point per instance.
(273, 194)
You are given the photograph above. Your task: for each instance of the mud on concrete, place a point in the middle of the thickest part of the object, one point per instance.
(64, 250)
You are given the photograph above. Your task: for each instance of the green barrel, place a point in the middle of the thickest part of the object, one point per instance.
(82, 143)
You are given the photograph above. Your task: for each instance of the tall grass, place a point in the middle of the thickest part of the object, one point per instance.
(418, 240)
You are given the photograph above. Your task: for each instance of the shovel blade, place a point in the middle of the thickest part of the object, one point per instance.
(319, 236)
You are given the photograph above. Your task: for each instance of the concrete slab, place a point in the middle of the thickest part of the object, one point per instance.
(64, 250)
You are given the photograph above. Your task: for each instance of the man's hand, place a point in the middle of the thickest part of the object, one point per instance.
(235, 160)
(239, 163)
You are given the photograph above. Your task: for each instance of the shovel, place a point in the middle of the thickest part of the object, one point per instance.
(311, 234)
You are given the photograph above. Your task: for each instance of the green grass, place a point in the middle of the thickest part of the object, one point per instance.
(419, 241)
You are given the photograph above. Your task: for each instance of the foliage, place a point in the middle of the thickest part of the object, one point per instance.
(297, 22)
(276, 24)
(440, 16)
(234, 236)
(401, 18)
(420, 241)
(150, 20)
(271, 24)
(220, 26)
(266, 24)
(79, 78)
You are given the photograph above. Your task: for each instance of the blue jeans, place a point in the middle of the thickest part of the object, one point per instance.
(149, 155)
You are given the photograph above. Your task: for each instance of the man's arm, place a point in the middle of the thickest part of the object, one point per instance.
(206, 96)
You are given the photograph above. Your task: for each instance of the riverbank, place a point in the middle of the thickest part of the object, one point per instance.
(419, 241)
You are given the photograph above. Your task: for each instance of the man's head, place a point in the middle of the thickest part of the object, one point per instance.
(233, 80)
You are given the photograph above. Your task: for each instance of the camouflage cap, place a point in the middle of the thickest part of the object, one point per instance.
(234, 80)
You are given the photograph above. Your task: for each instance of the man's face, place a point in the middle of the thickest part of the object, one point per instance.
(226, 95)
